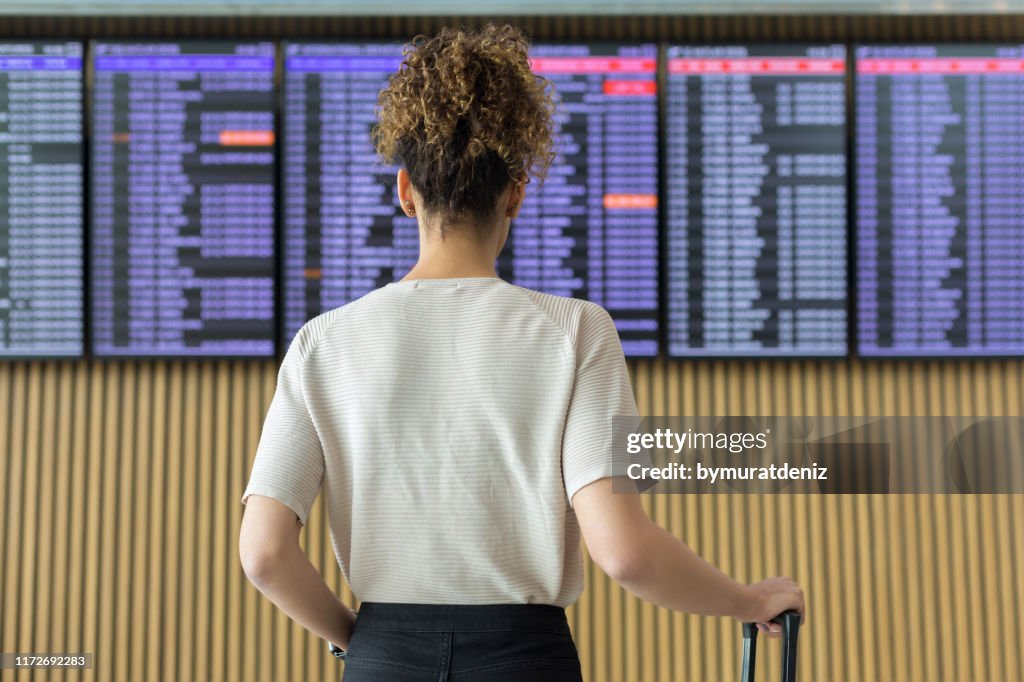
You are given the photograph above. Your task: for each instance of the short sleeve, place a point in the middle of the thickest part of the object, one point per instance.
(601, 393)
(289, 464)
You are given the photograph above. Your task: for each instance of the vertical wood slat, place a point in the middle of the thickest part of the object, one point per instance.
(220, 521)
(122, 495)
(139, 437)
(61, 472)
(25, 558)
(169, 651)
(155, 539)
(7, 513)
(190, 408)
(203, 534)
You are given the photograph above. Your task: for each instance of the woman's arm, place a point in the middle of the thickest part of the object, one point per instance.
(274, 562)
(658, 567)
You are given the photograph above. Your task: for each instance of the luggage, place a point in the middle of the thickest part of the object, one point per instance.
(790, 622)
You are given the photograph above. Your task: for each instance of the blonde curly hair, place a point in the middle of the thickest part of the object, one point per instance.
(466, 116)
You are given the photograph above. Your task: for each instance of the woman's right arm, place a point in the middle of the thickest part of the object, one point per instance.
(659, 568)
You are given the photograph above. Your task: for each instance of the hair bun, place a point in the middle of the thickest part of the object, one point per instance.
(466, 116)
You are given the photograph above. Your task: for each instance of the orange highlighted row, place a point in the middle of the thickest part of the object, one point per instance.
(247, 138)
(311, 273)
(613, 87)
(613, 201)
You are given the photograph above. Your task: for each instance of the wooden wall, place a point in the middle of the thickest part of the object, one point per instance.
(119, 481)
(119, 487)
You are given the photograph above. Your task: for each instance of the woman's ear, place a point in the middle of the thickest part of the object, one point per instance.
(405, 194)
(515, 200)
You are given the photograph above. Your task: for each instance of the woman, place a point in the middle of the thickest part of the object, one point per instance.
(459, 424)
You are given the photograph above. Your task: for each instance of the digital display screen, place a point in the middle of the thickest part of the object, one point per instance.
(183, 207)
(41, 200)
(756, 201)
(590, 231)
(940, 200)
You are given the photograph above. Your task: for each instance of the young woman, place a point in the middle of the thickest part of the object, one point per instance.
(460, 425)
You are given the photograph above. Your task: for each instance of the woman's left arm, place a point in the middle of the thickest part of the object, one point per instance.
(274, 562)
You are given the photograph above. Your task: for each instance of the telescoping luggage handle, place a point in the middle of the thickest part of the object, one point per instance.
(790, 622)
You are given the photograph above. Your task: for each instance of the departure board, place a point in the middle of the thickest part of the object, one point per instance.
(590, 231)
(183, 185)
(756, 201)
(41, 207)
(940, 200)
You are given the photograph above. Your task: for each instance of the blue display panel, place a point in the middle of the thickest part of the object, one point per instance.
(183, 199)
(41, 204)
(940, 200)
(590, 231)
(756, 201)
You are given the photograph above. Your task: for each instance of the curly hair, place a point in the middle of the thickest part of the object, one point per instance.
(466, 116)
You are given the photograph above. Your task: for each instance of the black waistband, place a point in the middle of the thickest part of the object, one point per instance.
(459, 617)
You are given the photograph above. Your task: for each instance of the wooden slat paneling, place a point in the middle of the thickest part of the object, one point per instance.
(120, 515)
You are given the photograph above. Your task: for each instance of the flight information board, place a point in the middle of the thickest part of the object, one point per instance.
(41, 211)
(940, 200)
(183, 185)
(590, 230)
(756, 200)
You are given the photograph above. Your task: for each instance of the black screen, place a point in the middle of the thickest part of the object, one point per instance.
(756, 198)
(940, 200)
(41, 226)
(182, 175)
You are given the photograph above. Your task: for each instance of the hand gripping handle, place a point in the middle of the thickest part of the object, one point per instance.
(790, 622)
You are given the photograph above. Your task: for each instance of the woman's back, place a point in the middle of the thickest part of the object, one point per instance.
(451, 439)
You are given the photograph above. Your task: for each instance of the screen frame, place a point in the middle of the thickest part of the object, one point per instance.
(702, 354)
(853, 226)
(89, 74)
(83, 235)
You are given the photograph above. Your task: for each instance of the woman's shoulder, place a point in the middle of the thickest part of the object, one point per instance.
(575, 316)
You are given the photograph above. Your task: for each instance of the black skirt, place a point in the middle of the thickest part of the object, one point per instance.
(444, 643)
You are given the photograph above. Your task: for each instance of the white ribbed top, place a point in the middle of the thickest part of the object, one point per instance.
(449, 422)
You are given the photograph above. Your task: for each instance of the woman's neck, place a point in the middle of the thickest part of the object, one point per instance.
(458, 254)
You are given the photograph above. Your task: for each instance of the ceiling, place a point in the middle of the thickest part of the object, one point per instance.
(492, 7)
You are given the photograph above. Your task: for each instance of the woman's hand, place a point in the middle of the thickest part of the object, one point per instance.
(771, 598)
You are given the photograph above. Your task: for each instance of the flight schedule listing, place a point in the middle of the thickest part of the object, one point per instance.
(41, 199)
(756, 200)
(344, 232)
(940, 200)
(183, 207)
(590, 231)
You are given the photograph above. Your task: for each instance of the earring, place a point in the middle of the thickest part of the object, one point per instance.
(510, 210)
(409, 209)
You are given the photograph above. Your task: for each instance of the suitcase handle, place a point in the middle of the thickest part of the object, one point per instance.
(790, 622)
